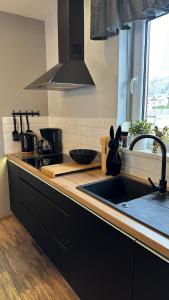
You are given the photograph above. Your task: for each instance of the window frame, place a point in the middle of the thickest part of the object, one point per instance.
(139, 69)
(141, 39)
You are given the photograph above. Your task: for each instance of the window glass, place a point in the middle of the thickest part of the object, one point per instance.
(157, 92)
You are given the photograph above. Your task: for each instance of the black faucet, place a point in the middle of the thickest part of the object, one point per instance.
(162, 187)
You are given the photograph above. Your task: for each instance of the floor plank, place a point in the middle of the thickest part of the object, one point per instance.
(25, 272)
(38, 293)
(2, 263)
(12, 233)
(8, 290)
(7, 294)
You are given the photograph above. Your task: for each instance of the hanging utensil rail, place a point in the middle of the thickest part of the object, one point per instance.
(31, 113)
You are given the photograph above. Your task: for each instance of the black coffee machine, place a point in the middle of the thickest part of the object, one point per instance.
(51, 142)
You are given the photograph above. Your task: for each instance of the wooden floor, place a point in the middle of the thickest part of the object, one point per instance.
(25, 272)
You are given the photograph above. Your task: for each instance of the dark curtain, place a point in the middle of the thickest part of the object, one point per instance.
(110, 16)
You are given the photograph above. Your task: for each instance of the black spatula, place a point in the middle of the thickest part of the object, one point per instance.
(15, 134)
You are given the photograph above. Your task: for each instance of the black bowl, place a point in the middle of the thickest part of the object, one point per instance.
(83, 156)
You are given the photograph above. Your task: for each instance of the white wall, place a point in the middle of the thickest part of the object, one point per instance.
(22, 59)
(102, 59)
(4, 191)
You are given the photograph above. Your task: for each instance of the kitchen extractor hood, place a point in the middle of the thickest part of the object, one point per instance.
(71, 72)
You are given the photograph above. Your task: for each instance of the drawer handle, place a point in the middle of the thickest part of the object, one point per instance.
(60, 243)
(50, 234)
(39, 192)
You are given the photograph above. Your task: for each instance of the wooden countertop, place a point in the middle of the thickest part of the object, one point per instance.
(68, 183)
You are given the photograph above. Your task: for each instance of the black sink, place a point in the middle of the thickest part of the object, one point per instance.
(142, 204)
(116, 190)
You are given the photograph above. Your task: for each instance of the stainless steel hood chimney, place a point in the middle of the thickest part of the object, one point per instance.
(71, 72)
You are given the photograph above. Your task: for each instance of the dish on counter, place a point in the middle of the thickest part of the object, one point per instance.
(83, 156)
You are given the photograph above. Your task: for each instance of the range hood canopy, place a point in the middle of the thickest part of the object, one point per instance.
(71, 72)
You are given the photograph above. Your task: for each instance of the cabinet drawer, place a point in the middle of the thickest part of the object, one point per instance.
(55, 196)
(55, 250)
(54, 219)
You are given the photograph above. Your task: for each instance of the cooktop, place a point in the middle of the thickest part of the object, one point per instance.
(39, 161)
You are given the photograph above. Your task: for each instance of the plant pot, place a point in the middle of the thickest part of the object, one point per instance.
(157, 151)
(140, 145)
(167, 146)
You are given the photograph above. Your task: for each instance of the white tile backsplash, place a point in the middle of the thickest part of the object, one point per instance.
(142, 165)
(7, 128)
(77, 132)
(81, 132)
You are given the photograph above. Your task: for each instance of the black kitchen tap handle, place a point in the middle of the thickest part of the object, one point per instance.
(155, 187)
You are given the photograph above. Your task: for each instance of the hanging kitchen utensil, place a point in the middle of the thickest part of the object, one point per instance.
(15, 134)
(28, 142)
(27, 122)
(21, 132)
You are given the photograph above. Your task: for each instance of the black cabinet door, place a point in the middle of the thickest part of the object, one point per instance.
(101, 266)
(54, 219)
(52, 194)
(150, 276)
(52, 246)
(14, 188)
(47, 223)
(94, 257)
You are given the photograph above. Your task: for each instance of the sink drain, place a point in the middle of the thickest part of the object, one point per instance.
(125, 205)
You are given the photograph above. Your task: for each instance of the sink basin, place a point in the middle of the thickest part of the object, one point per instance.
(116, 190)
(142, 204)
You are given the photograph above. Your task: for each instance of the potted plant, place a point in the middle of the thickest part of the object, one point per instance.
(163, 135)
(140, 127)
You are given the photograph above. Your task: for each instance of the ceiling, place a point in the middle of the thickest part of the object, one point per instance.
(36, 9)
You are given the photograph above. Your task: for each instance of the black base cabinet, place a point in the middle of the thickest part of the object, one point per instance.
(97, 260)
(93, 257)
(150, 276)
(101, 261)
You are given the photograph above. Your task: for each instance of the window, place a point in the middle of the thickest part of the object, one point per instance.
(156, 108)
(150, 71)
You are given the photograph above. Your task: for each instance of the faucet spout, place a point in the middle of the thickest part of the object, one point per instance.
(162, 188)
